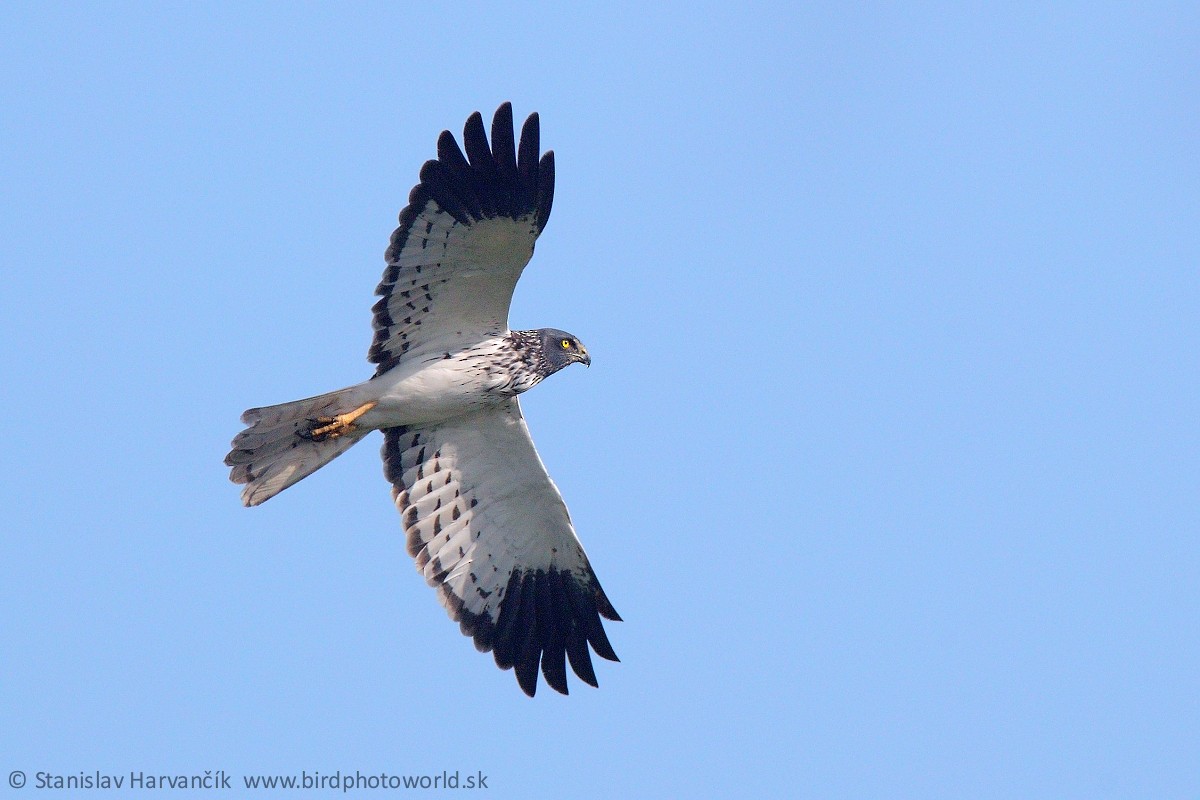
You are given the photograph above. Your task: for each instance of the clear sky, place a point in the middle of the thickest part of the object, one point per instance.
(889, 455)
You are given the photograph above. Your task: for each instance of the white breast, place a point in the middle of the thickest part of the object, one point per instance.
(434, 388)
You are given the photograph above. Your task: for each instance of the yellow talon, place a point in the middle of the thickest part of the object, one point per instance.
(339, 425)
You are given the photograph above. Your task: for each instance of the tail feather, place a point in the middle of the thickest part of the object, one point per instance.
(272, 454)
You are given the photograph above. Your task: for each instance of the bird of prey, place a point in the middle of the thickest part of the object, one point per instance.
(486, 525)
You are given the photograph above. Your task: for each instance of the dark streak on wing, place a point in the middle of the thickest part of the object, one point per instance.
(503, 180)
(545, 617)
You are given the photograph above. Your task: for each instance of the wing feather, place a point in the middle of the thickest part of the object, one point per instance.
(463, 240)
(489, 529)
(527, 156)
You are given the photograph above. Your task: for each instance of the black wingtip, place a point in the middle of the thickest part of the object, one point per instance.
(449, 151)
(476, 143)
(547, 620)
(474, 182)
(605, 607)
(545, 190)
(503, 149)
(551, 600)
(504, 648)
(600, 643)
(581, 659)
(529, 652)
(527, 154)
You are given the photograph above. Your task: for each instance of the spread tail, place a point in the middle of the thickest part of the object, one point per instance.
(285, 443)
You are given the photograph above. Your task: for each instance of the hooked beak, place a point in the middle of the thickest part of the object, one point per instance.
(584, 358)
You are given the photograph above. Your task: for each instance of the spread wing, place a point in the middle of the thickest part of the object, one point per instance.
(490, 530)
(464, 238)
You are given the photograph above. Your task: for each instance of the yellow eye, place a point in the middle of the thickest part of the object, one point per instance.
(566, 344)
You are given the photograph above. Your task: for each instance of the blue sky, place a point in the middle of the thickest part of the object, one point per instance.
(888, 455)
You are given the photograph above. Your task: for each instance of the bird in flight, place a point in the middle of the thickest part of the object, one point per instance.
(486, 525)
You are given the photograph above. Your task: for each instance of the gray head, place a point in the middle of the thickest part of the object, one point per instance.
(560, 349)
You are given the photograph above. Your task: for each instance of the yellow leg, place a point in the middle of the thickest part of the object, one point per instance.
(333, 427)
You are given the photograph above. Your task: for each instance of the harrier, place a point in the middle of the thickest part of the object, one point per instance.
(486, 525)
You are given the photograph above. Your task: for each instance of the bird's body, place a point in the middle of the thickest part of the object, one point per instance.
(484, 521)
(433, 388)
